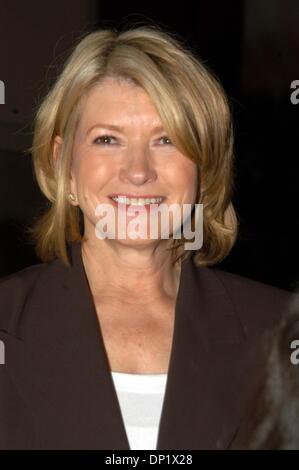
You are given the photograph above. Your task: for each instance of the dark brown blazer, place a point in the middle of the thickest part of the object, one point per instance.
(56, 390)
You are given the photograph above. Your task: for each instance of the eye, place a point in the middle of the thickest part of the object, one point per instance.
(165, 138)
(104, 140)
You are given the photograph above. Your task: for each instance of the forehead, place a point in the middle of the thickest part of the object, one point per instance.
(117, 100)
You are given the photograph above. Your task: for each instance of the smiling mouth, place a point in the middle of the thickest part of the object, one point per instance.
(137, 201)
(133, 205)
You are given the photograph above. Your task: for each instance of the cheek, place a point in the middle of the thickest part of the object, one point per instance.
(91, 174)
(184, 177)
(191, 175)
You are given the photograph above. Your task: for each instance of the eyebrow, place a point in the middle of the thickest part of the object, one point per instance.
(113, 127)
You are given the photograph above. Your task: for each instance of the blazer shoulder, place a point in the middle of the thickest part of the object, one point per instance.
(14, 291)
(246, 284)
(258, 305)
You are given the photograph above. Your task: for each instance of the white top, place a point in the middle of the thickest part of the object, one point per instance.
(140, 397)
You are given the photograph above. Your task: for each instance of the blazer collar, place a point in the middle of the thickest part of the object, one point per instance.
(200, 403)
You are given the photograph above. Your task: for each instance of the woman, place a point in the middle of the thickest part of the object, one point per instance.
(131, 343)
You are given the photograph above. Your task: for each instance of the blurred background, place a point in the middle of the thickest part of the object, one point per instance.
(251, 45)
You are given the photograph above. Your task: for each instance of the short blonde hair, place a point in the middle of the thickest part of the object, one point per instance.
(194, 111)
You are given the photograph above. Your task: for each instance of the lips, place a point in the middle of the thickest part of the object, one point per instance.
(136, 196)
(132, 204)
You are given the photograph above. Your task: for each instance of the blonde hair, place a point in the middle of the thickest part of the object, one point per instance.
(194, 111)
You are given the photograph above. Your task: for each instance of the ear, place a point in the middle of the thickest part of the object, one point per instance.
(58, 141)
(57, 148)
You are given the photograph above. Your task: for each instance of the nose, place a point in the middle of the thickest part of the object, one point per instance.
(137, 168)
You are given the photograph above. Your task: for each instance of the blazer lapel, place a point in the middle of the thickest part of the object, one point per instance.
(203, 400)
(104, 427)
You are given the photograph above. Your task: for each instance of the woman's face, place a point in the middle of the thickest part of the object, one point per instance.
(120, 148)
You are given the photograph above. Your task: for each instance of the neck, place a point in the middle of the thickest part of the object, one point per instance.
(134, 275)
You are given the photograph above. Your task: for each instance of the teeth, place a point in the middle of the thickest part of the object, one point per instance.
(137, 201)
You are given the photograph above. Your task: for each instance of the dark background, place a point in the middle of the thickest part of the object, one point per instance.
(252, 45)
